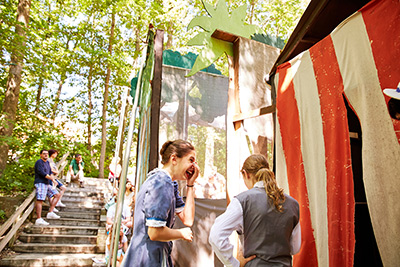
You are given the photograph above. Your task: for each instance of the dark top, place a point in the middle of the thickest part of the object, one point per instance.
(42, 169)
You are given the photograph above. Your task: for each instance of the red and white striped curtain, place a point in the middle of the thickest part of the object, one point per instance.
(359, 59)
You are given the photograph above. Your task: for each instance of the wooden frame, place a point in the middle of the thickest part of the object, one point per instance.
(155, 99)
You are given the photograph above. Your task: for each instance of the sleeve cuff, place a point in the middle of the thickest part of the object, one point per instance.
(179, 210)
(154, 222)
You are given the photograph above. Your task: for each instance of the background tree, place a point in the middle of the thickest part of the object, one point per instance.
(8, 114)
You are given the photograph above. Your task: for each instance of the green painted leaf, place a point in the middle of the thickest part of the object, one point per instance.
(215, 49)
(201, 38)
(202, 22)
(239, 14)
(209, 8)
(205, 58)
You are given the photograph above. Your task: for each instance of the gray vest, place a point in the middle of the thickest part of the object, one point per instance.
(267, 232)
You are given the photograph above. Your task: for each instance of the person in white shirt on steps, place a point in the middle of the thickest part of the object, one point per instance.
(52, 156)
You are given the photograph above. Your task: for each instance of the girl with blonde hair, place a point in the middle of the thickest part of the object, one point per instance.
(266, 219)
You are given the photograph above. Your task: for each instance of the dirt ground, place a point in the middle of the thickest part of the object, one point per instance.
(9, 205)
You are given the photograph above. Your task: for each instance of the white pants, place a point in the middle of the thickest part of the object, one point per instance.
(78, 176)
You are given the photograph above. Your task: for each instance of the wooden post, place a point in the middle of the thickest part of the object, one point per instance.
(156, 99)
(232, 133)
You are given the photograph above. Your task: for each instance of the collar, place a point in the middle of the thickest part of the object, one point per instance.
(259, 184)
(160, 170)
(169, 175)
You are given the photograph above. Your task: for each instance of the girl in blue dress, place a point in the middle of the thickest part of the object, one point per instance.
(157, 203)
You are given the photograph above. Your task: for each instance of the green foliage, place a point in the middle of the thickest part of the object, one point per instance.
(30, 135)
(2, 215)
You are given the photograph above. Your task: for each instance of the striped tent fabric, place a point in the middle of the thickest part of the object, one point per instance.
(359, 59)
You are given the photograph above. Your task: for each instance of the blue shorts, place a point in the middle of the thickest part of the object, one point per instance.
(59, 184)
(43, 190)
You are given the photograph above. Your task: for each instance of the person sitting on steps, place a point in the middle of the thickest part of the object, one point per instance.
(52, 156)
(76, 170)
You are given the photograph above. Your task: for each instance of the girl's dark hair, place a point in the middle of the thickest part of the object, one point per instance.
(132, 187)
(257, 165)
(52, 151)
(178, 147)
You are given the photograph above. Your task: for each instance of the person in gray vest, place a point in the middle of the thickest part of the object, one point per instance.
(266, 219)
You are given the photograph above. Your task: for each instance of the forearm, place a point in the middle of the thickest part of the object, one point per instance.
(189, 210)
(50, 177)
(54, 171)
(164, 234)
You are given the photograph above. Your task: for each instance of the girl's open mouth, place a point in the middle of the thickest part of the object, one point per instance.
(189, 173)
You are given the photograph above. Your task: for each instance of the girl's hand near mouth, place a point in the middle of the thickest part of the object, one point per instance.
(194, 174)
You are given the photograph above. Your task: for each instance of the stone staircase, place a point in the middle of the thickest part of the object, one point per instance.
(74, 239)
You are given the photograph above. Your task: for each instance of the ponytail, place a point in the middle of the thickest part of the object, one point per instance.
(257, 165)
(274, 193)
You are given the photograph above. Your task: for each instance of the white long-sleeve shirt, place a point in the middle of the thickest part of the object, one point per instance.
(232, 220)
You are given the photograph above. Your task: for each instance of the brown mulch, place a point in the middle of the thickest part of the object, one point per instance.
(6, 252)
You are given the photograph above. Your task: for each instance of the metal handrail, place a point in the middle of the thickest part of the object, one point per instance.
(17, 219)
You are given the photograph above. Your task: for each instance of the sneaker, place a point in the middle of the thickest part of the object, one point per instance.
(52, 215)
(55, 210)
(81, 185)
(60, 204)
(42, 222)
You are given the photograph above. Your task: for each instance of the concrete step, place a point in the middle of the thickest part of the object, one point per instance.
(70, 193)
(66, 199)
(73, 222)
(83, 202)
(63, 230)
(75, 215)
(55, 248)
(87, 187)
(72, 215)
(75, 208)
(57, 238)
(61, 260)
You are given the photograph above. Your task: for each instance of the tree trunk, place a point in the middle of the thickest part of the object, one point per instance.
(121, 145)
(10, 104)
(90, 107)
(170, 35)
(38, 95)
(252, 5)
(104, 113)
(57, 99)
